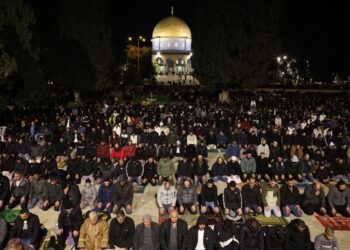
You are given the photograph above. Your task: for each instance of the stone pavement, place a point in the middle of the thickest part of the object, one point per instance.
(145, 203)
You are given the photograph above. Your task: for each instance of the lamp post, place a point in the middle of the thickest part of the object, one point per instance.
(142, 39)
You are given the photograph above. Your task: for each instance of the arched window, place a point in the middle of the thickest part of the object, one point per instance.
(159, 61)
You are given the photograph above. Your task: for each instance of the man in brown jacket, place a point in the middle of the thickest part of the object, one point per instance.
(123, 195)
(93, 233)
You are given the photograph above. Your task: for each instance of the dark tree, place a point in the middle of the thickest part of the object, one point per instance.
(235, 41)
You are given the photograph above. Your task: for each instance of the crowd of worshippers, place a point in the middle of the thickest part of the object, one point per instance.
(267, 140)
(94, 232)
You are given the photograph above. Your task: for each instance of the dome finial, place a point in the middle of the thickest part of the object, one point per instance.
(172, 10)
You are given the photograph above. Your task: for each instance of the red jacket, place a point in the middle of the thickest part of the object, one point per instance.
(102, 151)
(129, 151)
(118, 154)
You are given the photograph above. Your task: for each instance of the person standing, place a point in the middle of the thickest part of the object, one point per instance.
(147, 235)
(93, 233)
(121, 231)
(173, 232)
(69, 223)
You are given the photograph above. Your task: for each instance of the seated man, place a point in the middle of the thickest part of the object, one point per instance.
(232, 201)
(276, 237)
(314, 200)
(271, 198)
(134, 171)
(295, 169)
(219, 170)
(52, 195)
(37, 186)
(166, 197)
(165, 169)
(200, 170)
(290, 199)
(20, 189)
(93, 233)
(298, 235)
(338, 200)
(248, 166)
(147, 234)
(187, 197)
(209, 197)
(27, 228)
(105, 196)
(279, 169)
(200, 236)
(184, 170)
(150, 172)
(123, 195)
(251, 197)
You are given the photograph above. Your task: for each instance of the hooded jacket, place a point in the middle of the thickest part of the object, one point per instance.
(187, 195)
(232, 198)
(121, 235)
(296, 240)
(166, 197)
(134, 168)
(250, 240)
(192, 235)
(322, 243)
(181, 232)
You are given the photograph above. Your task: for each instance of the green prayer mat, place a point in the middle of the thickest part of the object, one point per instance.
(10, 215)
(271, 221)
(139, 189)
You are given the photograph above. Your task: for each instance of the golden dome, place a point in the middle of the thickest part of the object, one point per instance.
(172, 27)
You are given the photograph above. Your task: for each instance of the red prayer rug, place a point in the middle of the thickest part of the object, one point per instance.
(337, 222)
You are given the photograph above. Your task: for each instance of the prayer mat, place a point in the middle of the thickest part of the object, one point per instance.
(139, 189)
(163, 218)
(213, 218)
(337, 222)
(10, 215)
(271, 221)
(191, 219)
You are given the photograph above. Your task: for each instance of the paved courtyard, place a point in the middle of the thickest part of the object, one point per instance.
(145, 203)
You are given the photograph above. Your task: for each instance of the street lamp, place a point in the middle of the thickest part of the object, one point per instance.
(142, 39)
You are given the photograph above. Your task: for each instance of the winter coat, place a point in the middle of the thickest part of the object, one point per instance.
(164, 234)
(150, 170)
(233, 168)
(210, 194)
(310, 197)
(165, 168)
(52, 192)
(219, 169)
(93, 237)
(273, 240)
(296, 240)
(226, 231)
(192, 238)
(134, 169)
(124, 193)
(89, 193)
(184, 169)
(121, 235)
(251, 197)
(103, 151)
(23, 189)
(73, 195)
(289, 197)
(233, 150)
(70, 221)
(252, 240)
(166, 197)
(336, 197)
(33, 228)
(38, 189)
(4, 188)
(139, 236)
(200, 168)
(232, 198)
(187, 195)
(248, 165)
(105, 194)
(129, 151)
(117, 153)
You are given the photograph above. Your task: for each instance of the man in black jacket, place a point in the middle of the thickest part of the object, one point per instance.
(200, 170)
(314, 200)
(20, 189)
(209, 197)
(226, 235)
(200, 236)
(121, 231)
(134, 171)
(252, 236)
(251, 197)
(70, 191)
(27, 227)
(298, 236)
(232, 201)
(52, 195)
(173, 232)
(4, 191)
(69, 221)
(290, 199)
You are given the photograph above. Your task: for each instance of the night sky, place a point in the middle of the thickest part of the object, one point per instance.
(313, 30)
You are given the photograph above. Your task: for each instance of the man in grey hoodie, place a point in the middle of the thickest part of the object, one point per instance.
(339, 200)
(187, 197)
(248, 166)
(166, 198)
(326, 241)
